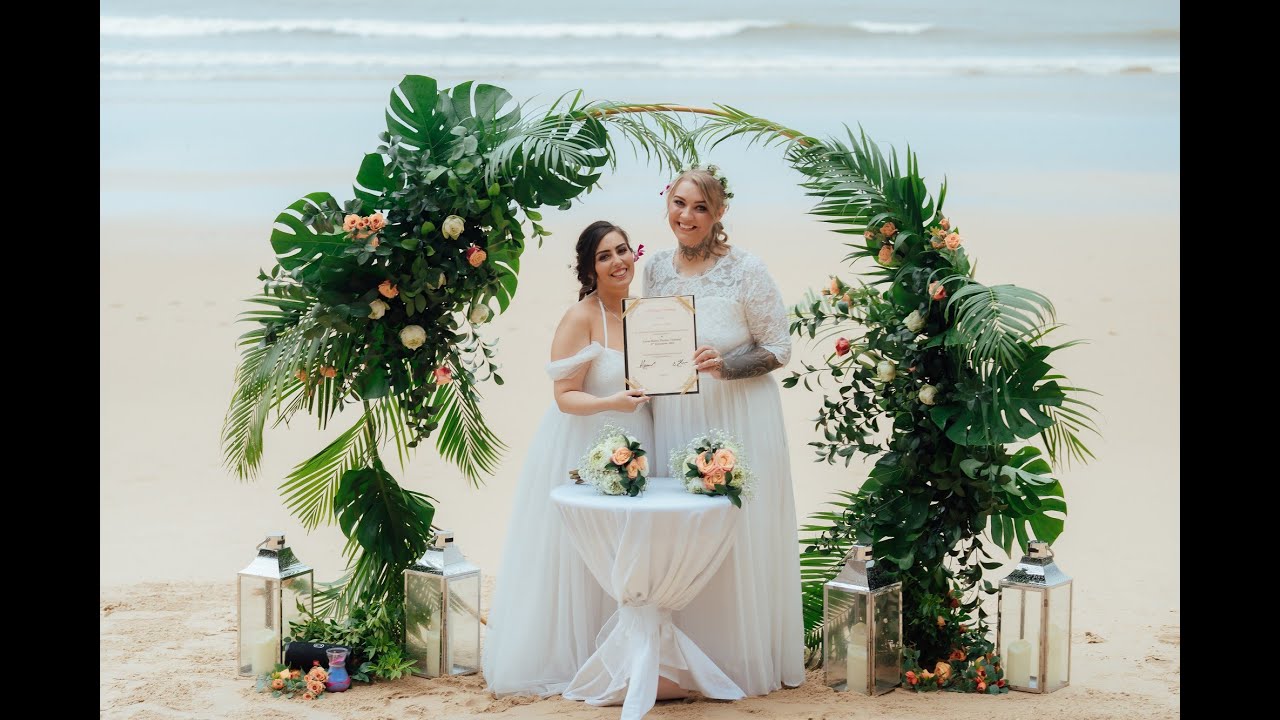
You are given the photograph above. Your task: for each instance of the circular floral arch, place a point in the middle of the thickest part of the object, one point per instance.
(379, 302)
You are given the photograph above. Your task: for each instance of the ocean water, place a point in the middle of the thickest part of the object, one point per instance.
(233, 110)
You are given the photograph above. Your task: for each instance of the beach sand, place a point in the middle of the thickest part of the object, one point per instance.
(176, 526)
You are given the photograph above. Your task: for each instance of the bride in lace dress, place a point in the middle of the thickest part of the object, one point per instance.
(748, 619)
(547, 608)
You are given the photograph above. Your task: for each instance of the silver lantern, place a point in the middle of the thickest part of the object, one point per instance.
(1033, 635)
(862, 627)
(269, 592)
(442, 611)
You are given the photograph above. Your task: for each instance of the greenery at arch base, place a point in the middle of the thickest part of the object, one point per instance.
(377, 305)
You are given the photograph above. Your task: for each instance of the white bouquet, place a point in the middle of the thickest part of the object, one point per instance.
(714, 465)
(615, 464)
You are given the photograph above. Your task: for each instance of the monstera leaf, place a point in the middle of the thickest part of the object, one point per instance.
(552, 160)
(1028, 493)
(424, 116)
(301, 249)
(1006, 407)
(386, 521)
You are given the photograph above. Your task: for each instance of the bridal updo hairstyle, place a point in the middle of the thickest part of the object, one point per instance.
(588, 241)
(713, 190)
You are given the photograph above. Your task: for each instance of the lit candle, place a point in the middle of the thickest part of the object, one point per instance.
(856, 655)
(1059, 649)
(262, 648)
(1017, 663)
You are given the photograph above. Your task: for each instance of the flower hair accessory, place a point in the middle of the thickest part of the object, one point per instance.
(712, 170)
(640, 251)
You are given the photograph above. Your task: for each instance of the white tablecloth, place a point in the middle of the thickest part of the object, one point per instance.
(653, 554)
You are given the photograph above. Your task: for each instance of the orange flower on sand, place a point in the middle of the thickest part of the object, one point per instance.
(926, 676)
(315, 686)
(942, 670)
(317, 673)
(712, 479)
(476, 256)
(982, 686)
(937, 290)
(725, 460)
(295, 674)
(888, 229)
(956, 654)
(911, 678)
(621, 455)
(953, 241)
(329, 372)
(443, 375)
(886, 254)
(308, 696)
(277, 684)
(387, 290)
(842, 347)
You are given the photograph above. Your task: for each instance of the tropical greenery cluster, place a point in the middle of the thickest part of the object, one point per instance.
(946, 383)
(374, 634)
(377, 304)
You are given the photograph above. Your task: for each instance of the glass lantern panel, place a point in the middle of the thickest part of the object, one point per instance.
(463, 624)
(1058, 670)
(846, 640)
(1020, 635)
(424, 595)
(293, 591)
(888, 640)
(259, 625)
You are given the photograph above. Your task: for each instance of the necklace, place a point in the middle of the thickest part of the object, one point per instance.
(606, 308)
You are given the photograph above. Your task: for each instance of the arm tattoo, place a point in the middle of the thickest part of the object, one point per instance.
(754, 363)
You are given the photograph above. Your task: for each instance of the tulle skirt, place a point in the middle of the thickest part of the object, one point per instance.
(748, 619)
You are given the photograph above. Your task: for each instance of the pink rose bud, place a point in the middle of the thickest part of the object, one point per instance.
(953, 241)
(842, 347)
(937, 290)
(443, 375)
(946, 223)
(476, 256)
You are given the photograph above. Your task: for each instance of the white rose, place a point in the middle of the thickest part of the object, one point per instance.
(452, 227)
(377, 309)
(928, 394)
(886, 371)
(413, 336)
(914, 321)
(479, 314)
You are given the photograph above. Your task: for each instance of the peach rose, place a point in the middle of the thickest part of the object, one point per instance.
(315, 686)
(308, 696)
(295, 674)
(317, 673)
(301, 374)
(349, 223)
(621, 455)
(946, 223)
(277, 684)
(937, 290)
(942, 622)
(885, 256)
(328, 372)
(953, 241)
(632, 471)
(937, 243)
(942, 670)
(869, 234)
(443, 375)
(725, 459)
(636, 466)
(641, 462)
(387, 290)
(911, 678)
(842, 347)
(374, 241)
(925, 675)
(835, 287)
(982, 686)
(712, 479)
(888, 229)
(704, 464)
(476, 256)
(376, 221)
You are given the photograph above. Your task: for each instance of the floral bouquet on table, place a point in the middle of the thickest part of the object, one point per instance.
(615, 464)
(714, 465)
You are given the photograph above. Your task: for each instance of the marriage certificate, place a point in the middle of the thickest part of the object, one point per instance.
(660, 335)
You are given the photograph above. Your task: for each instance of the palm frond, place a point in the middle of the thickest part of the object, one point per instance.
(1072, 418)
(464, 439)
(661, 135)
(550, 160)
(1000, 321)
(733, 122)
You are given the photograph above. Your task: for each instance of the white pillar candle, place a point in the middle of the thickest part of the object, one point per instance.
(262, 649)
(856, 656)
(1059, 649)
(1017, 663)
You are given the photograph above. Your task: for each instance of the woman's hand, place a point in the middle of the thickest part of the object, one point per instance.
(628, 400)
(707, 360)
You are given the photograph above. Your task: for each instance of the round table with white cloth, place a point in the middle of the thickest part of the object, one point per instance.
(653, 554)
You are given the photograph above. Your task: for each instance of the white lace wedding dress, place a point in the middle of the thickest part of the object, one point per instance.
(547, 608)
(748, 619)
